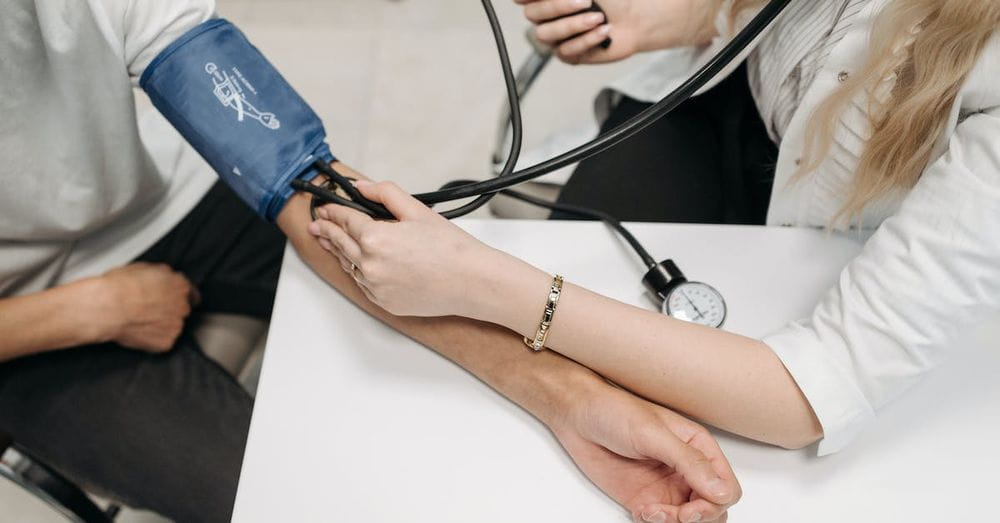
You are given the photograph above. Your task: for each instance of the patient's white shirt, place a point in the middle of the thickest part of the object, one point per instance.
(85, 183)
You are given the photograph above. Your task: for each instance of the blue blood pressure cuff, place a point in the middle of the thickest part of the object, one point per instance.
(238, 112)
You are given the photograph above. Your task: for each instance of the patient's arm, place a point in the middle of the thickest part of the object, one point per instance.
(618, 440)
(463, 341)
(141, 306)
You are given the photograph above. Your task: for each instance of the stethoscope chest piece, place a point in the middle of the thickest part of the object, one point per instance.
(685, 300)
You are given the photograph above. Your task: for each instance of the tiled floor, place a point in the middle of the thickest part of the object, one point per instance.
(410, 91)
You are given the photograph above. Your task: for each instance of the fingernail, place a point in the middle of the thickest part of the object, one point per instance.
(314, 229)
(581, 3)
(604, 29)
(658, 517)
(322, 213)
(595, 18)
(694, 518)
(718, 488)
(362, 183)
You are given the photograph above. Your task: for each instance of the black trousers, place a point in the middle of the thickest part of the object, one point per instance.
(159, 432)
(709, 161)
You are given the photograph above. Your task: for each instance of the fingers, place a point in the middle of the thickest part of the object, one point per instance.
(698, 470)
(192, 293)
(700, 510)
(575, 50)
(186, 295)
(399, 202)
(705, 480)
(731, 491)
(345, 264)
(544, 11)
(349, 267)
(352, 222)
(333, 238)
(697, 437)
(552, 33)
(656, 514)
(337, 242)
(194, 296)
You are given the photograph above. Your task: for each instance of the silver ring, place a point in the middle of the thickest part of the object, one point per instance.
(354, 271)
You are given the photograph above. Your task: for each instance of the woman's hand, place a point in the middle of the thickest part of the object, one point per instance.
(657, 464)
(633, 25)
(143, 306)
(420, 265)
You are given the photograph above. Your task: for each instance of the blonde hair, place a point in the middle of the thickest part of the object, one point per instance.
(921, 53)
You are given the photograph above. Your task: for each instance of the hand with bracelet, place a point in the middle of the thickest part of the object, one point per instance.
(659, 465)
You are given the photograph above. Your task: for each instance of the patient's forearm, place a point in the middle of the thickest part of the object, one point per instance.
(56, 318)
(540, 383)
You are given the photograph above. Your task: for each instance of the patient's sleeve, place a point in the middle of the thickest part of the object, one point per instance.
(149, 26)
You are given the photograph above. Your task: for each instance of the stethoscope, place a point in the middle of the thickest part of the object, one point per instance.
(683, 299)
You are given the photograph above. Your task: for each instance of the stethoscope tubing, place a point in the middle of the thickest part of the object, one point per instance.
(485, 190)
(626, 130)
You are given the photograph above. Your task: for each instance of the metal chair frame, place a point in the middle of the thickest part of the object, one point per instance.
(49, 486)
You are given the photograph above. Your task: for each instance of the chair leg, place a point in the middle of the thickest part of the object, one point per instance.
(51, 487)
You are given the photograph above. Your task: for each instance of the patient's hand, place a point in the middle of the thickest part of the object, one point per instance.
(633, 25)
(659, 465)
(144, 306)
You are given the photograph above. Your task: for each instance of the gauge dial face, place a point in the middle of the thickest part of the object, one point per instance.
(696, 302)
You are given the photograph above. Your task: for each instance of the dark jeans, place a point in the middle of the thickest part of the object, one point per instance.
(709, 161)
(160, 432)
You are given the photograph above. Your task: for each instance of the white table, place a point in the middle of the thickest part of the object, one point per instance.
(354, 423)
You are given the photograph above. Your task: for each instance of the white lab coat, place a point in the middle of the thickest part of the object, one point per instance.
(930, 267)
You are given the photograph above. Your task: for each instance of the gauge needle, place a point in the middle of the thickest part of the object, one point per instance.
(693, 306)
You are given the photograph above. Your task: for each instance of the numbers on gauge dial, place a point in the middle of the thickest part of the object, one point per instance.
(696, 302)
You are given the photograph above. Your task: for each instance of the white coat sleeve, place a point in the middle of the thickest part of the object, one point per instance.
(929, 272)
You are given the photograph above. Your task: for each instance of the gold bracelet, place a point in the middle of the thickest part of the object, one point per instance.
(555, 291)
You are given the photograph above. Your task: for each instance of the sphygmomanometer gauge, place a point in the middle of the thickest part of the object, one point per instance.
(696, 302)
(685, 300)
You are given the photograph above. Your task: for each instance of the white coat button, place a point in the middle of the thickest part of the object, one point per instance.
(843, 76)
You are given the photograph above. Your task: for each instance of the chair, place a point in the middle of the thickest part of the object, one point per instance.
(49, 486)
